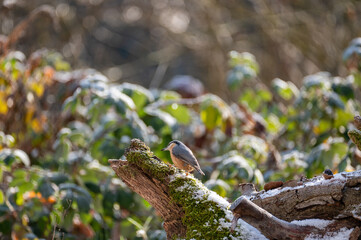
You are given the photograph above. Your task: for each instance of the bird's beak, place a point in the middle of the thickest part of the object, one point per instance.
(164, 149)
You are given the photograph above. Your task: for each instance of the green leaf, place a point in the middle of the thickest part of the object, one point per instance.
(335, 101)
(245, 58)
(120, 100)
(45, 188)
(179, 112)
(62, 149)
(353, 51)
(343, 89)
(25, 186)
(235, 79)
(165, 117)
(318, 80)
(2, 198)
(92, 187)
(219, 186)
(333, 156)
(343, 116)
(234, 166)
(258, 177)
(68, 199)
(109, 199)
(286, 90)
(20, 173)
(239, 74)
(244, 67)
(83, 203)
(124, 198)
(58, 178)
(139, 94)
(273, 123)
(75, 188)
(10, 156)
(68, 218)
(70, 104)
(211, 116)
(265, 95)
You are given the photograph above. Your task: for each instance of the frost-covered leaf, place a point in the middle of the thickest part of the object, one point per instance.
(286, 90)
(219, 186)
(139, 94)
(343, 88)
(321, 79)
(14, 155)
(335, 101)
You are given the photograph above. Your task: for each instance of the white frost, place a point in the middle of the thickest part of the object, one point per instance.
(314, 182)
(318, 223)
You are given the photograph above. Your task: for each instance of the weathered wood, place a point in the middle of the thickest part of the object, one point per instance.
(269, 225)
(155, 192)
(335, 198)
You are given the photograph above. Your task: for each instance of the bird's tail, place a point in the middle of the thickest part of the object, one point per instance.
(200, 171)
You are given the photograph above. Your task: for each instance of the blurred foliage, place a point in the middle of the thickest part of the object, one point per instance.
(60, 127)
(149, 42)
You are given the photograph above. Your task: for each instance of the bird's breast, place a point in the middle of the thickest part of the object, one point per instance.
(181, 164)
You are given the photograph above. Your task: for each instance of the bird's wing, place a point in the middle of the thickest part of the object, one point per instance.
(186, 155)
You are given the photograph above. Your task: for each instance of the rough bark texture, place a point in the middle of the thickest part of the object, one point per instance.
(267, 223)
(184, 203)
(275, 228)
(153, 190)
(335, 198)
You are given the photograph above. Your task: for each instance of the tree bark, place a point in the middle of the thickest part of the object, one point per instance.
(155, 192)
(336, 198)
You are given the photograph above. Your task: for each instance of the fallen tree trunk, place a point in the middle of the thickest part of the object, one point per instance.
(190, 210)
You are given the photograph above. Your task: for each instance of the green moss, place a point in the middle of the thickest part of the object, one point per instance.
(355, 136)
(202, 216)
(139, 154)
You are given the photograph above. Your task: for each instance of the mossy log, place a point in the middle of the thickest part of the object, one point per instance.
(188, 208)
(191, 211)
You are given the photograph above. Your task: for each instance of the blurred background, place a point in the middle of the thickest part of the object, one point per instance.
(149, 42)
(259, 90)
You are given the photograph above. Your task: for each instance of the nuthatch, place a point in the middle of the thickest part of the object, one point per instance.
(327, 174)
(182, 156)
